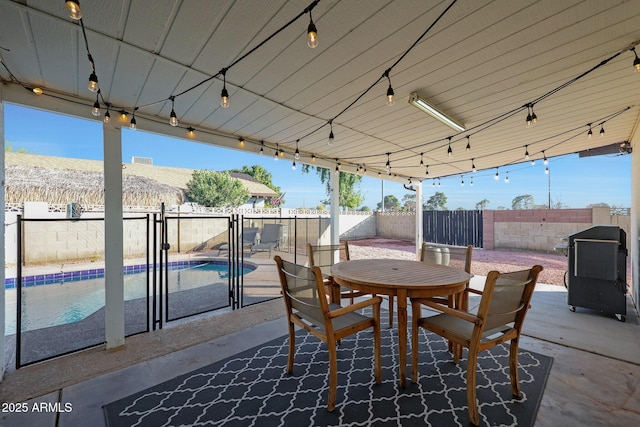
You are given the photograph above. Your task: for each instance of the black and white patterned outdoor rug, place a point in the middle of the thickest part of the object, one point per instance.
(253, 389)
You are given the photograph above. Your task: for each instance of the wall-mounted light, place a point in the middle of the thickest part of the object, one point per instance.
(416, 100)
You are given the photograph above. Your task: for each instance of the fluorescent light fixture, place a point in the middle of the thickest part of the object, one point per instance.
(418, 101)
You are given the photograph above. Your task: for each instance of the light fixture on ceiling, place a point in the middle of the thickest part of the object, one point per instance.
(37, 90)
(416, 100)
(473, 165)
(426, 171)
(544, 158)
(636, 62)
(173, 119)
(133, 124)
(468, 148)
(93, 82)
(107, 114)
(312, 33)
(497, 175)
(331, 139)
(391, 98)
(387, 166)
(313, 158)
(601, 129)
(275, 154)
(590, 133)
(241, 142)
(532, 119)
(449, 150)
(224, 95)
(191, 131)
(297, 153)
(526, 152)
(74, 9)
(337, 167)
(261, 147)
(96, 106)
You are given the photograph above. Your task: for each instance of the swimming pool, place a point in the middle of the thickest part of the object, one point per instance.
(47, 301)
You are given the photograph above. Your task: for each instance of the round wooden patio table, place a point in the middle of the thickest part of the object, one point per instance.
(402, 279)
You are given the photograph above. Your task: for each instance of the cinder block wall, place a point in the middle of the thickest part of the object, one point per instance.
(396, 225)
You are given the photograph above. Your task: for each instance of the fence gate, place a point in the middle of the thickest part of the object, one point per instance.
(453, 227)
(187, 280)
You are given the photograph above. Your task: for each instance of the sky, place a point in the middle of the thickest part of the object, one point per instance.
(574, 182)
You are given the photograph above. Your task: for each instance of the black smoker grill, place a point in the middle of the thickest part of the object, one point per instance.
(597, 270)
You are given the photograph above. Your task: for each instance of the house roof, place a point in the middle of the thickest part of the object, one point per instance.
(31, 177)
(486, 63)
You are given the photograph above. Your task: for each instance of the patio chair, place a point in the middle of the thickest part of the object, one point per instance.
(269, 238)
(454, 256)
(498, 319)
(306, 302)
(248, 239)
(323, 256)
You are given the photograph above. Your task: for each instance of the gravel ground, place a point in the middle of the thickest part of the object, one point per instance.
(483, 260)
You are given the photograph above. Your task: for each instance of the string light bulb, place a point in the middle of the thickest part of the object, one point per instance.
(313, 158)
(173, 119)
(75, 12)
(133, 124)
(107, 115)
(601, 130)
(293, 165)
(526, 152)
(426, 171)
(93, 82)
(224, 95)
(123, 115)
(636, 61)
(590, 133)
(473, 165)
(191, 131)
(331, 137)
(546, 170)
(387, 166)
(468, 143)
(338, 168)
(261, 148)
(275, 154)
(497, 175)
(421, 161)
(241, 142)
(532, 119)
(506, 178)
(96, 107)
(544, 158)
(312, 34)
(37, 90)
(449, 150)
(297, 153)
(462, 182)
(391, 98)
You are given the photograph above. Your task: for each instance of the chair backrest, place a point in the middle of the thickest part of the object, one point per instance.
(249, 234)
(270, 233)
(303, 290)
(324, 256)
(505, 299)
(455, 256)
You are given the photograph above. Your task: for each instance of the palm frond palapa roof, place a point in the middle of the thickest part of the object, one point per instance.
(61, 180)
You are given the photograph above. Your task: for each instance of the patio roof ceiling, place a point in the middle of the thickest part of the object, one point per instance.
(481, 63)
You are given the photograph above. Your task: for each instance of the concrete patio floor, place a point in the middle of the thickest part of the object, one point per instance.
(594, 380)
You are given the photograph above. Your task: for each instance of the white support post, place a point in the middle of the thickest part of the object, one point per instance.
(635, 219)
(335, 208)
(418, 219)
(113, 242)
(2, 249)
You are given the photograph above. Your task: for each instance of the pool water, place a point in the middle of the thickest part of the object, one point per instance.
(71, 301)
